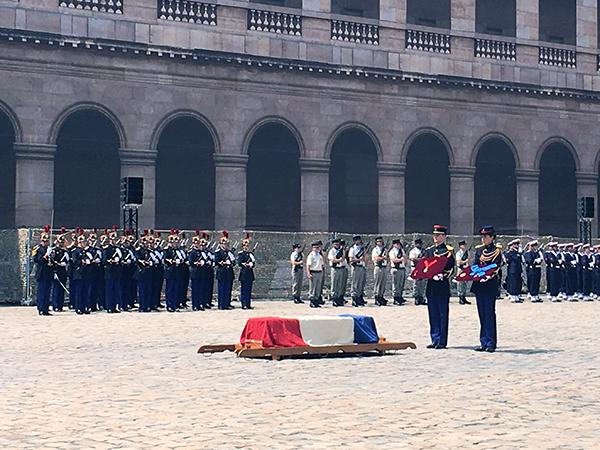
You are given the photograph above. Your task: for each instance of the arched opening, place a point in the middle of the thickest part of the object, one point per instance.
(7, 173)
(273, 180)
(353, 184)
(557, 192)
(185, 175)
(87, 171)
(496, 187)
(427, 184)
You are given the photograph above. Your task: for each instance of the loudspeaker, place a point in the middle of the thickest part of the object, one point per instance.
(132, 190)
(585, 207)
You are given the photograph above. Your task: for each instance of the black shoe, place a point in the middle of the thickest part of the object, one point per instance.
(315, 305)
(440, 347)
(480, 349)
(402, 301)
(87, 312)
(466, 302)
(230, 307)
(377, 301)
(431, 346)
(170, 310)
(46, 313)
(79, 312)
(361, 301)
(490, 349)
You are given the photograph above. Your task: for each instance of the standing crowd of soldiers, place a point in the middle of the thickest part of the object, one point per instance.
(115, 273)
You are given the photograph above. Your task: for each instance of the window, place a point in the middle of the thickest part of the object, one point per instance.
(428, 13)
(498, 17)
(357, 8)
(558, 21)
(284, 3)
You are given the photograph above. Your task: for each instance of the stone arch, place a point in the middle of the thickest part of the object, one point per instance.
(87, 106)
(354, 125)
(273, 120)
(274, 148)
(174, 115)
(556, 140)
(422, 131)
(501, 137)
(14, 120)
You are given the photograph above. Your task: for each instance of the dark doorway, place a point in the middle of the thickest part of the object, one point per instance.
(557, 192)
(558, 20)
(7, 173)
(185, 176)
(87, 172)
(273, 180)
(353, 184)
(496, 17)
(496, 187)
(427, 185)
(429, 13)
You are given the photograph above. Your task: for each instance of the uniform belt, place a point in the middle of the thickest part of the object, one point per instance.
(315, 271)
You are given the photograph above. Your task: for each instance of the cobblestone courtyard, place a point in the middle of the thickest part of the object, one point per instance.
(134, 381)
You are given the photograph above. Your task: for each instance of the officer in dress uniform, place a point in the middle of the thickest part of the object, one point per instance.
(96, 272)
(514, 271)
(78, 258)
(345, 271)
(570, 271)
(438, 289)
(579, 254)
(533, 267)
(224, 262)
(563, 271)
(112, 260)
(70, 247)
(128, 287)
(337, 262)
(44, 271)
(208, 272)
(553, 269)
(486, 288)
(314, 272)
(297, 264)
(463, 264)
(157, 253)
(173, 260)
(379, 256)
(588, 272)
(143, 273)
(196, 262)
(397, 271)
(101, 283)
(184, 273)
(60, 262)
(596, 283)
(357, 258)
(246, 262)
(415, 255)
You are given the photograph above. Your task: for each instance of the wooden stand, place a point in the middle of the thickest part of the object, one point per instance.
(256, 350)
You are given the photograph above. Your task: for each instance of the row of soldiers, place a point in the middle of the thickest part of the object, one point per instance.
(112, 273)
(572, 271)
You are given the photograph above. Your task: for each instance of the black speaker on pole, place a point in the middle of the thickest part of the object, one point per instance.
(585, 207)
(132, 190)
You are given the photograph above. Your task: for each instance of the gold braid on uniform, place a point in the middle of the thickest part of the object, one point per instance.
(448, 253)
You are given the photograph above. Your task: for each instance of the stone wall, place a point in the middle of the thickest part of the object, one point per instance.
(272, 252)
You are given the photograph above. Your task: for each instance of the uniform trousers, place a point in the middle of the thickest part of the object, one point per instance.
(380, 278)
(44, 287)
(419, 288)
(359, 279)
(172, 292)
(297, 278)
(398, 280)
(224, 286)
(113, 294)
(439, 313)
(144, 286)
(534, 276)
(338, 288)
(315, 285)
(58, 294)
(246, 293)
(462, 287)
(486, 309)
(197, 291)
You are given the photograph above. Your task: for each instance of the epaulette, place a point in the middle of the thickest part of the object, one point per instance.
(499, 246)
(450, 248)
(34, 250)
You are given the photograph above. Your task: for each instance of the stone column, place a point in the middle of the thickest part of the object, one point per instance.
(34, 190)
(317, 5)
(230, 191)
(528, 19)
(587, 186)
(314, 194)
(462, 15)
(528, 181)
(462, 199)
(587, 28)
(391, 197)
(142, 163)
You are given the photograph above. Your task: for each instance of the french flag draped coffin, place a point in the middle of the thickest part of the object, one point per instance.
(310, 331)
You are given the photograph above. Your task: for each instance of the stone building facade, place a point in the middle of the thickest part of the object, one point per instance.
(315, 115)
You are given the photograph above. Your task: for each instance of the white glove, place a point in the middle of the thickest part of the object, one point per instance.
(484, 279)
(438, 277)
